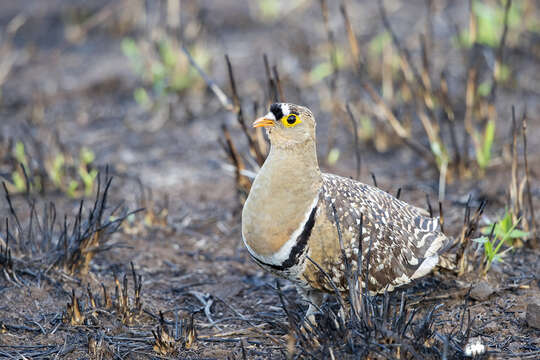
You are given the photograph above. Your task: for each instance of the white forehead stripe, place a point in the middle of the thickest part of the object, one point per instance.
(270, 116)
(285, 109)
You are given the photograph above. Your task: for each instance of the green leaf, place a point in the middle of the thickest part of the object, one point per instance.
(378, 43)
(142, 98)
(57, 169)
(366, 127)
(489, 23)
(167, 54)
(333, 156)
(321, 71)
(19, 182)
(270, 9)
(506, 224)
(516, 234)
(484, 88)
(72, 188)
(483, 156)
(503, 74)
(87, 156)
(129, 48)
(20, 154)
(158, 71)
(488, 247)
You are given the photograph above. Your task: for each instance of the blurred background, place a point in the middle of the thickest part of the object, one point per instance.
(424, 98)
(113, 77)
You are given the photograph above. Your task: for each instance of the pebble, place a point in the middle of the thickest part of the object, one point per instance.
(481, 291)
(533, 315)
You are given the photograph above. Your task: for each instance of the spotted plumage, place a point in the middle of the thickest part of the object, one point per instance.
(291, 214)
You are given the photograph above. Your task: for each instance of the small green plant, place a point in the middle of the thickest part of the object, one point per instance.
(18, 181)
(17, 176)
(495, 236)
(269, 10)
(162, 68)
(484, 145)
(74, 177)
(56, 172)
(441, 153)
(326, 68)
(20, 154)
(489, 20)
(88, 177)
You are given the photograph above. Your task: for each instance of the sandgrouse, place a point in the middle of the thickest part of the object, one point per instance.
(289, 215)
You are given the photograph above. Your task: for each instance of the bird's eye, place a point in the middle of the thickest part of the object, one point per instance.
(291, 120)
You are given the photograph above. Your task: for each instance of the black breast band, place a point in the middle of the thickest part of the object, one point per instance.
(297, 249)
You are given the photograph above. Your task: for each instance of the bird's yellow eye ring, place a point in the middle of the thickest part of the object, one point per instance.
(290, 120)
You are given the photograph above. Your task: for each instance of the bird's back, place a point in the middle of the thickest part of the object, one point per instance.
(402, 240)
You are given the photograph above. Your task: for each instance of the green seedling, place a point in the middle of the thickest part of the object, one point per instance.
(131, 51)
(17, 176)
(86, 156)
(71, 190)
(325, 69)
(495, 236)
(506, 229)
(333, 156)
(366, 130)
(20, 154)
(88, 177)
(18, 182)
(57, 171)
(269, 9)
(164, 70)
(179, 75)
(441, 154)
(379, 42)
(483, 151)
(490, 22)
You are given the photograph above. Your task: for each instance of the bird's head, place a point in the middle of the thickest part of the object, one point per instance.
(288, 124)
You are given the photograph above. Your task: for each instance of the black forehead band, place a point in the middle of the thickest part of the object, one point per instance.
(278, 113)
(276, 110)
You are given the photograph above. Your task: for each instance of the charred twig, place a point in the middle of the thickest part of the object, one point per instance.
(441, 217)
(449, 117)
(430, 209)
(351, 36)
(356, 144)
(467, 231)
(389, 116)
(534, 238)
(70, 251)
(374, 179)
(514, 190)
(220, 94)
(272, 87)
(407, 65)
(259, 157)
(243, 183)
(497, 69)
(278, 84)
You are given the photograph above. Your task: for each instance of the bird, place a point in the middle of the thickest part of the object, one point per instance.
(304, 225)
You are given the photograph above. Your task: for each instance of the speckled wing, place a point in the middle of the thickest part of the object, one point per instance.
(404, 241)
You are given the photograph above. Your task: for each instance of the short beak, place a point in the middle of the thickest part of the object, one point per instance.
(266, 120)
(262, 122)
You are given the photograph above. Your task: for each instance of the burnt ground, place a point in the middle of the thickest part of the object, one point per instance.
(68, 85)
